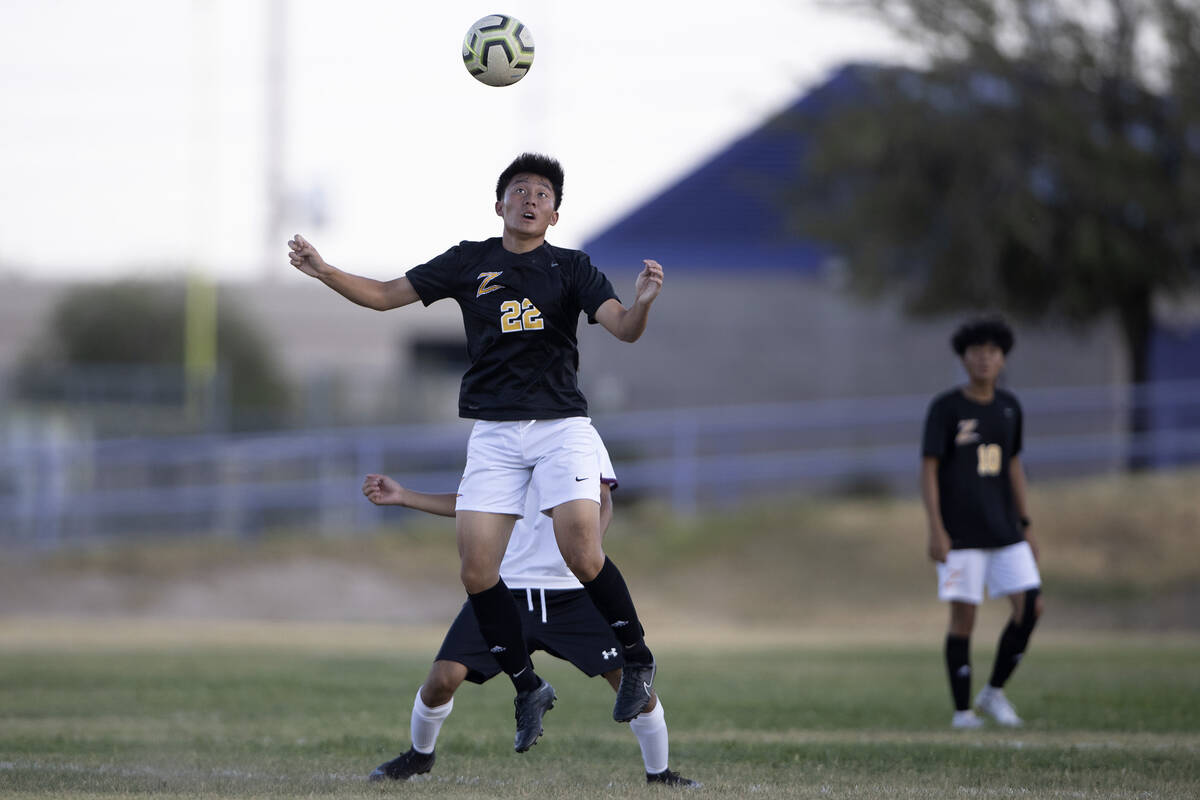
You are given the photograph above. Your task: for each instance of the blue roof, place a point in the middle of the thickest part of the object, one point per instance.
(727, 213)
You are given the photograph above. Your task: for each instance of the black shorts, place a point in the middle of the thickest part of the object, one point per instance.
(573, 630)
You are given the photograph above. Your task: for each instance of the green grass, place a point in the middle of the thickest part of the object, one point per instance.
(830, 686)
(127, 716)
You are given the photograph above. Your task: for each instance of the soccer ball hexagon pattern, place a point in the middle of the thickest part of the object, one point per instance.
(498, 50)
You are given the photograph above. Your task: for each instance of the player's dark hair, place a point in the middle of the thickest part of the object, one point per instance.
(985, 330)
(535, 164)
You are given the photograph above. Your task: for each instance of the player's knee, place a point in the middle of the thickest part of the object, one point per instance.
(444, 678)
(582, 553)
(585, 564)
(434, 695)
(438, 689)
(476, 579)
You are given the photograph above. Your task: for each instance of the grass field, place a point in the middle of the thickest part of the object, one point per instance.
(291, 710)
(145, 669)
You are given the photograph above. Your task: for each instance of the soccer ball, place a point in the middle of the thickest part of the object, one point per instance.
(498, 50)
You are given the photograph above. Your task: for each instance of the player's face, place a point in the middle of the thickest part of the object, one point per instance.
(983, 362)
(528, 205)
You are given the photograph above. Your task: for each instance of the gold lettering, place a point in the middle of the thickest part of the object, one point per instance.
(486, 278)
(989, 459)
(522, 316)
(510, 316)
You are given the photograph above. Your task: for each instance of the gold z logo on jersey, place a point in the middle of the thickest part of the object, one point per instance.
(485, 284)
(967, 432)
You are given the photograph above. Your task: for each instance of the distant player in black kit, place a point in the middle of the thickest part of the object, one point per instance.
(973, 487)
(521, 299)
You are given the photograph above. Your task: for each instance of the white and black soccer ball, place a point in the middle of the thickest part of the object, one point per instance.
(498, 50)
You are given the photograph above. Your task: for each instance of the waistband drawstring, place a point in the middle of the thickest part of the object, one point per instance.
(529, 600)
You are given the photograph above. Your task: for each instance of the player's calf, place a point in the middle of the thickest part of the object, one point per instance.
(611, 597)
(1014, 640)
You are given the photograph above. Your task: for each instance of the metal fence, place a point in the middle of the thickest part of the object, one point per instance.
(57, 487)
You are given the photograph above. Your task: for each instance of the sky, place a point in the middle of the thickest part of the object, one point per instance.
(135, 135)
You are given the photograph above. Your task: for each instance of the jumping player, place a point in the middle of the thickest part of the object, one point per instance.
(973, 488)
(521, 299)
(557, 617)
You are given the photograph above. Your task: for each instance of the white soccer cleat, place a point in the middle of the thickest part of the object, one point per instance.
(966, 721)
(992, 702)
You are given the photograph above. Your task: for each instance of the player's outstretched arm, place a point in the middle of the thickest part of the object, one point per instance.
(628, 324)
(368, 292)
(383, 491)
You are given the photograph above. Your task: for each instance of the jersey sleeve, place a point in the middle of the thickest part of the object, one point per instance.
(592, 288)
(436, 279)
(934, 440)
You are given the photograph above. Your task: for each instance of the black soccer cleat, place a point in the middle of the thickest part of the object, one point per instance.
(635, 691)
(669, 778)
(403, 766)
(531, 706)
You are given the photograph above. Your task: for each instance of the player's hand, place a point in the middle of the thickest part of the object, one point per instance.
(383, 491)
(305, 257)
(939, 546)
(649, 281)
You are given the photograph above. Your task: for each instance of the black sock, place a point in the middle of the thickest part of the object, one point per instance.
(1008, 654)
(1014, 641)
(958, 667)
(500, 624)
(611, 597)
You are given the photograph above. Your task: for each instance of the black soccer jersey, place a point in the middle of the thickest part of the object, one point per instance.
(974, 444)
(520, 312)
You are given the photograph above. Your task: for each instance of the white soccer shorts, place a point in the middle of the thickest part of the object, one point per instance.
(554, 458)
(1004, 570)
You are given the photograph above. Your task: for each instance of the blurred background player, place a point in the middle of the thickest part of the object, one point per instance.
(521, 299)
(973, 488)
(557, 617)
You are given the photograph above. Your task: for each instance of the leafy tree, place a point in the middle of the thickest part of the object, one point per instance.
(133, 323)
(1044, 162)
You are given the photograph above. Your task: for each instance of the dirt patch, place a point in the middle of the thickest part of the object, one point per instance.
(307, 589)
(1118, 553)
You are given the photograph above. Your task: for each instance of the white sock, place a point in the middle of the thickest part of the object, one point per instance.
(426, 723)
(650, 728)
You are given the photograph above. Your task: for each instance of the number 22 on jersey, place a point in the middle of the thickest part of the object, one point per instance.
(522, 316)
